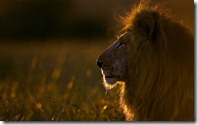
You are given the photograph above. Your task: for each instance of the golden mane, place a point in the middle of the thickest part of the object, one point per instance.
(160, 84)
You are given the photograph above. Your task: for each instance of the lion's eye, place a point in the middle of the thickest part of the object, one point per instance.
(128, 30)
(120, 44)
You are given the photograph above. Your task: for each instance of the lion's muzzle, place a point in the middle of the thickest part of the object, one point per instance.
(99, 63)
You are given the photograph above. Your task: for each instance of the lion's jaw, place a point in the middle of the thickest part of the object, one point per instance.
(115, 73)
(109, 79)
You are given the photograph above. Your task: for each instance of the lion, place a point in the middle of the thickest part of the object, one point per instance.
(153, 63)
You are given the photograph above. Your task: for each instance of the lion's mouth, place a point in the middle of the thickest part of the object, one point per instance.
(109, 77)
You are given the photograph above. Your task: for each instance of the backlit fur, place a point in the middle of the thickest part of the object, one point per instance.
(159, 80)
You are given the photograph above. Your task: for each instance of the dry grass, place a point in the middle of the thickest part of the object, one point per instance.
(52, 81)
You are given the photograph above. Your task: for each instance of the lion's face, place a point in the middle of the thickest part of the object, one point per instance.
(113, 62)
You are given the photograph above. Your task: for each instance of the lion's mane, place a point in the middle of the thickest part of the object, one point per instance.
(160, 84)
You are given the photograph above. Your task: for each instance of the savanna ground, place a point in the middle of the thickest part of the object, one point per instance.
(54, 81)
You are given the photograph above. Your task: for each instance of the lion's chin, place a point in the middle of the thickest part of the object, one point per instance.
(110, 80)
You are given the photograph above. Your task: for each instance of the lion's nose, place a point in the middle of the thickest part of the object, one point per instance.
(99, 63)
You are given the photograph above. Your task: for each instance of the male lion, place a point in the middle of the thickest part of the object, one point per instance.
(154, 64)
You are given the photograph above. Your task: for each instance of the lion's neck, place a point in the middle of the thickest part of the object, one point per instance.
(145, 99)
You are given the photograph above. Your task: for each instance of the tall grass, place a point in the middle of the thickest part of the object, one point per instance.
(54, 81)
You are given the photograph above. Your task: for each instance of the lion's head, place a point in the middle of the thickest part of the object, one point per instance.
(154, 59)
(113, 62)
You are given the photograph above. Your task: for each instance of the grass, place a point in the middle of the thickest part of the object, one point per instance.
(54, 81)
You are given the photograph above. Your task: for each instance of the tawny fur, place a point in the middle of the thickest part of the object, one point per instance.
(160, 84)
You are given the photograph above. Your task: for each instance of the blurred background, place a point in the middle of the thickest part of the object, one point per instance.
(48, 50)
(46, 19)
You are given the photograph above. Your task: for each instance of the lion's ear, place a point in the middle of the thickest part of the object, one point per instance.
(147, 25)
